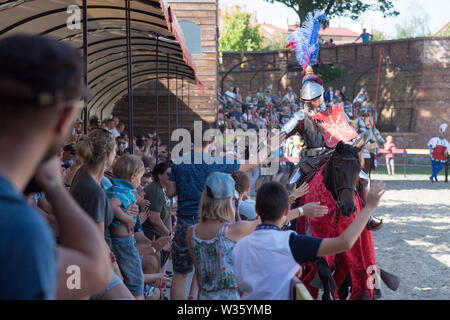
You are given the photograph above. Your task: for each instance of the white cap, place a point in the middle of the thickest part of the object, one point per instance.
(442, 128)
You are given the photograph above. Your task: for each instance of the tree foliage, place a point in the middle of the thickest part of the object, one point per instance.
(329, 72)
(415, 26)
(378, 36)
(339, 8)
(238, 35)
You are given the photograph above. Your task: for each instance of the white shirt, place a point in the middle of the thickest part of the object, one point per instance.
(115, 133)
(264, 265)
(290, 98)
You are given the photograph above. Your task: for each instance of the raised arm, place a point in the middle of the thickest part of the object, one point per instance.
(240, 229)
(250, 166)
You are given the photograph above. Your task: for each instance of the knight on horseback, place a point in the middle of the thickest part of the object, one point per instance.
(331, 164)
(320, 131)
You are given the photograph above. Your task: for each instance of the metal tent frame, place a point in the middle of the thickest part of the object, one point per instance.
(124, 43)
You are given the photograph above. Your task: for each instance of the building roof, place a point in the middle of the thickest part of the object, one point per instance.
(271, 28)
(331, 32)
(338, 32)
(444, 30)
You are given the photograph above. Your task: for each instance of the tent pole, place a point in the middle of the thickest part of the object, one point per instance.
(168, 101)
(176, 95)
(85, 61)
(157, 95)
(182, 97)
(129, 77)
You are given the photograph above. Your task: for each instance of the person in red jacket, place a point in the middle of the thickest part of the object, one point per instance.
(439, 148)
(389, 146)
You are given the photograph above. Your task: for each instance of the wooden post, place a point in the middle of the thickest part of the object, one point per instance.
(405, 162)
(446, 168)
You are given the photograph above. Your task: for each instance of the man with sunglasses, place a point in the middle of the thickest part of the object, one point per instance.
(122, 145)
(40, 91)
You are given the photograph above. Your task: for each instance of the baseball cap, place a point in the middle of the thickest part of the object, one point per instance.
(221, 185)
(247, 209)
(35, 70)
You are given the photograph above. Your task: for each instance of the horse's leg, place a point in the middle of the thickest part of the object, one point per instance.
(345, 287)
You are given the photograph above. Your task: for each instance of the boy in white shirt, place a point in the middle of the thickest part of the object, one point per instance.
(266, 260)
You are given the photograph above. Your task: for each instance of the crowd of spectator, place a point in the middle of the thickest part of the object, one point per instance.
(138, 225)
(265, 109)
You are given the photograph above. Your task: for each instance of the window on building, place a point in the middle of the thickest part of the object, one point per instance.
(192, 36)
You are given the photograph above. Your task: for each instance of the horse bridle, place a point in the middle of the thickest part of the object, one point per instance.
(345, 187)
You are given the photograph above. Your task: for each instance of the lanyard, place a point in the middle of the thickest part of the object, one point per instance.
(267, 227)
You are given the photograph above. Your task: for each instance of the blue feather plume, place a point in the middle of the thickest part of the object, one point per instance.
(305, 39)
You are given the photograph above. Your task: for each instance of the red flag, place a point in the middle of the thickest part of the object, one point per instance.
(334, 125)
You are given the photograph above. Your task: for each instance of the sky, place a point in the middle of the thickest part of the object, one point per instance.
(437, 10)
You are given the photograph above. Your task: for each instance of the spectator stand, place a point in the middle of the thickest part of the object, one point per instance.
(124, 44)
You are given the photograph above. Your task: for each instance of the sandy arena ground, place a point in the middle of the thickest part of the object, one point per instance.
(414, 243)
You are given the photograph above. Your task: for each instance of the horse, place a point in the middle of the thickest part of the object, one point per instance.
(337, 184)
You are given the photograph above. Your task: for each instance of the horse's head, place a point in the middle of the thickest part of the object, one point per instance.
(343, 176)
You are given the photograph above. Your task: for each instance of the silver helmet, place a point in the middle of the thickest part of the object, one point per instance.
(310, 91)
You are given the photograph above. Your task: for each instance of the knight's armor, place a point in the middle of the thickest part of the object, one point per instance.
(302, 124)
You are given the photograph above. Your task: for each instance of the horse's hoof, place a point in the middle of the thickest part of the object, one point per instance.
(375, 224)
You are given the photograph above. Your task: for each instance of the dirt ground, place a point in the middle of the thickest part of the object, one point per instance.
(414, 243)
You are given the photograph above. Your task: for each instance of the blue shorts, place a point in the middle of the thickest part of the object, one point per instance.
(114, 282)
(181, 259)
(130, 263)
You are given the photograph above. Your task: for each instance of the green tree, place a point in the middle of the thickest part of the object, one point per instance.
(238, 35)
(378, 36)
(338, 8)
(276, 41)
(329, 72)
(415, 26)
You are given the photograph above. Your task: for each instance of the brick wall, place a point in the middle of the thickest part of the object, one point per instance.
(414, 80)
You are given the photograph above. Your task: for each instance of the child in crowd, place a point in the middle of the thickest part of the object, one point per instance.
(256, 274)
(128, 171)
(389, 146)
(211, 241)
(244, 207)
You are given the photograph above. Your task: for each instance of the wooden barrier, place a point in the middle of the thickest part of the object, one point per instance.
(405, 153)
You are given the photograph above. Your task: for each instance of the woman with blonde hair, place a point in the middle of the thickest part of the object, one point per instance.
(98, 151)
(211, 241)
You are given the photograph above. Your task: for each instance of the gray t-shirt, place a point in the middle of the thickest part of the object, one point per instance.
(92, 198)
